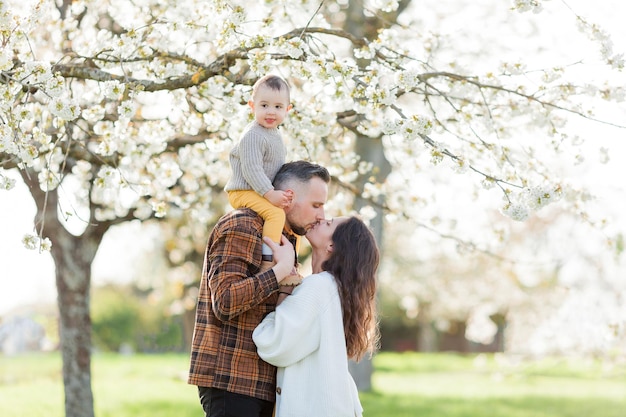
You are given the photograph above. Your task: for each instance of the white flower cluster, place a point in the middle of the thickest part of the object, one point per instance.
(407, 79)
(410, 129)
(294, 48)
(530, 199)
(513, 68)
(540, 196)
(6, 183)
(522, 6)
(384, 5)
(460, 165)
(112, 90)
(480, 327)
(260, 62)
(515, 211)
(34, 242)
(597, 34)
(6, 139)
(64, 109)
(552, 75)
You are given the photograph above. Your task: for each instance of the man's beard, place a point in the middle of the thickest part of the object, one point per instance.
(300, 231)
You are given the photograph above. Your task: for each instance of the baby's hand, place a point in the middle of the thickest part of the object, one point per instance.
(278, 198)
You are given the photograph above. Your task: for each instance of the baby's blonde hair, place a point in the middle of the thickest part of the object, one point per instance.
(272, 81)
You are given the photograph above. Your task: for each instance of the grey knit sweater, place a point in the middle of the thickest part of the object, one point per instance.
(256, 159)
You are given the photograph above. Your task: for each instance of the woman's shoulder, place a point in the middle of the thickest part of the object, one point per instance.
(320, 281)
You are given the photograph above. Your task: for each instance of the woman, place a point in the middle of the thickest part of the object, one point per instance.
(327, 319)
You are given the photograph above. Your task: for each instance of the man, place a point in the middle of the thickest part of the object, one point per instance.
(236, 293)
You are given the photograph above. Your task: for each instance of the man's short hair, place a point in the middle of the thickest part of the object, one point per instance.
(300, 171)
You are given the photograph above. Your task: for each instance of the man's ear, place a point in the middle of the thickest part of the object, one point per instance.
(292, 195)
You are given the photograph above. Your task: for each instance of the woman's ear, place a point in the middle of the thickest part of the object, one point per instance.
(330, 248)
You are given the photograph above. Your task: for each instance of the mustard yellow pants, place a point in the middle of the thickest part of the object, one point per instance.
(274, 216)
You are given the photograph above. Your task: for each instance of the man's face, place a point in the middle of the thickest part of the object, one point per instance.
(307, 207)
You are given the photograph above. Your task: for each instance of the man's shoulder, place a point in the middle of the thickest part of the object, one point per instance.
(242, 217)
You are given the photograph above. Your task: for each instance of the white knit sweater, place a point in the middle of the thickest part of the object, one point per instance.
(256, 159)
(304, 338)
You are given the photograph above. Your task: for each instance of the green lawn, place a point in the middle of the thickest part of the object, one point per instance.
(409, 384)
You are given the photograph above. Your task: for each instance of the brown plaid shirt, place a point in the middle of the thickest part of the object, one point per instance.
(233, 299)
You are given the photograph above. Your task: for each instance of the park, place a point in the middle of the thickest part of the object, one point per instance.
(482, 143)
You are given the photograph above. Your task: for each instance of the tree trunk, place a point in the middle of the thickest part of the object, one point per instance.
(427, 336)
(72, 256)
(371, 150)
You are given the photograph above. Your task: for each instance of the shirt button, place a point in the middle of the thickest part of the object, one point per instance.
(278, 390)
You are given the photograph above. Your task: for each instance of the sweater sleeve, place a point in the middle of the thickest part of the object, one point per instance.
(251, 149)
(292, 332)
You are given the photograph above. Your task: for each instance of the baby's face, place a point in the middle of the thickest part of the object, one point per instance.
(270, 106)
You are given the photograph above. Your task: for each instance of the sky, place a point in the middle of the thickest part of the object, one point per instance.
(27, 277)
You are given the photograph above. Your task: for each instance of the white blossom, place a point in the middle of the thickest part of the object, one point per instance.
(112, 90)
(6, 59)
(384, 5)
(407, 79)
(522, 6)
(35, 72)
(488, 183)
(165, 170)
(6, 183)
(480, 328)
(513, 68)
(7, 143)
(460, 165)
(63, 108)
(515, 211)
(34, 242)
(48, 179)
(55, 86)
(30, 241)
(126, 109)
(107, 177)
(159, 208)
(604, 156)
(540, 196)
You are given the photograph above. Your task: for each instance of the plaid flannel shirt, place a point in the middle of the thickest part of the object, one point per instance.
(233, 299)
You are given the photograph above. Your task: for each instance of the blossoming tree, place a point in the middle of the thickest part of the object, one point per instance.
(114, 111)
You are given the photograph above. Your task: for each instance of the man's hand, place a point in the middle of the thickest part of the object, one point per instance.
(284, 256)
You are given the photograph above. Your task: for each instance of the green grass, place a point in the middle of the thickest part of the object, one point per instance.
(472, 386)
(405, 385)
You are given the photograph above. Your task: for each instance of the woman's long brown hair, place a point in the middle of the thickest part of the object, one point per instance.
(353, 263)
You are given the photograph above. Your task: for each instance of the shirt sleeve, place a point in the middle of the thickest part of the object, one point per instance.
(292, 332)
(234, 290)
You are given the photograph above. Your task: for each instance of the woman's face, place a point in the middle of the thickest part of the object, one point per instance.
(320, 235)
